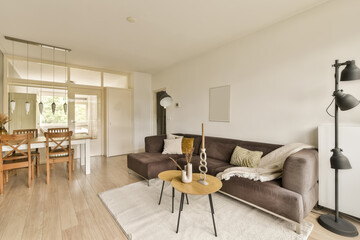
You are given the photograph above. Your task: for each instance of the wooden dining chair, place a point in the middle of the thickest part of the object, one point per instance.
(15, 158)
(58, 130)
(61, 130)
(56, 152)
(35, 153)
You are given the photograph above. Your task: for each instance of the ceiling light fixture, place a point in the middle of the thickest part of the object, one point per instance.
(53, 105)
(27, 103)
(131, 19)
(41, 105)
(12, 102)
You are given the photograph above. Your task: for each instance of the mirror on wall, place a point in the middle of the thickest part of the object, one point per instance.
(219, 104)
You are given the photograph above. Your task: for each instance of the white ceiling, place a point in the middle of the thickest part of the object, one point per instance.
(166, 31)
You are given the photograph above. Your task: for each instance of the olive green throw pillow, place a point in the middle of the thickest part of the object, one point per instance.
(245, 158)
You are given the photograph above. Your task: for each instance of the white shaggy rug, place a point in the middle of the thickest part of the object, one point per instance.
(135, 208)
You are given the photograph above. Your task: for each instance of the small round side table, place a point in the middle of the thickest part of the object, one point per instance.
(168, 176)
(196, 188)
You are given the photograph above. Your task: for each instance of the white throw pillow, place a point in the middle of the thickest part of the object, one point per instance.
(172, 136)
(172, 146)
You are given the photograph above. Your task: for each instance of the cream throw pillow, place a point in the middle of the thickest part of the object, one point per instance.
(172, 146)
(245, 158)
(172, 136)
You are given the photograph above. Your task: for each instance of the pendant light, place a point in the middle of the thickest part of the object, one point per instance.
(65, 103)
(53, 105)
(12, 101)
(27, 103)
(41, 105)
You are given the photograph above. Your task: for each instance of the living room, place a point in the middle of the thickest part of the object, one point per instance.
(255, 75)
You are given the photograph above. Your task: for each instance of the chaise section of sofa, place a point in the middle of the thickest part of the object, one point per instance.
(152, 162)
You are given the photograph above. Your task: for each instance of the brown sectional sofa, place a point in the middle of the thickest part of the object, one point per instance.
(292, 197)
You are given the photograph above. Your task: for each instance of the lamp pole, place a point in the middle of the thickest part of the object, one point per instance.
(338, 160)
(336, 65)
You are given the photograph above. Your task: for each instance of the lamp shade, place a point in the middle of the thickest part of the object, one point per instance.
(53, 107)
(27, 107)
(165, 100)
(345, 101)
(65, 107)
(350, 72)
(338, 160)
(41, 107)
(12, 106)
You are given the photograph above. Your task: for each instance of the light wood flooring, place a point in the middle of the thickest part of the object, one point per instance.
(63, 210)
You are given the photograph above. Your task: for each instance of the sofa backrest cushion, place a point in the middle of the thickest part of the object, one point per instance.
(154, 144)
(220, 148)
(261, 147)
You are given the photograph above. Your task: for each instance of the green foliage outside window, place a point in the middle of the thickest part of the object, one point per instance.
(47, 116)
(81, 113)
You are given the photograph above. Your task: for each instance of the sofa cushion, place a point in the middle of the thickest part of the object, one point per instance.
(149, 165)
(154, 144)
(220, 148)
(261, 147)
(268, 195)
(187, 145)
(212, 164)
(172, 146)
(245, 158)
(197, 141)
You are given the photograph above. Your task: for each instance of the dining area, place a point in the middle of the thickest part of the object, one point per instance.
(21, 150)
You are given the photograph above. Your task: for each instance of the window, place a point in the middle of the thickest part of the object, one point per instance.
(86, 114)
(85, 77)
(36, 120)
(115, 80)
(47, 118)
(18, 69)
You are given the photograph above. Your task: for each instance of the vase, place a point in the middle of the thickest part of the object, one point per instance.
(3, 130)
(186, 175)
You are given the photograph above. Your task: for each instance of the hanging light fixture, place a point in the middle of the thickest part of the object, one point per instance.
(65, 103)
(41, 105)
(53, 105)
(27, 103)
(12, 101)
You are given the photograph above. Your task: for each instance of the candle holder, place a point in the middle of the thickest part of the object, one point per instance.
(203, 167)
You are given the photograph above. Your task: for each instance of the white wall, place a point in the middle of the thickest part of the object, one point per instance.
(143, 104)
(281, 78)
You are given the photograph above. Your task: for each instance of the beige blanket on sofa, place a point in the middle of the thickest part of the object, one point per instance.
(270, 166)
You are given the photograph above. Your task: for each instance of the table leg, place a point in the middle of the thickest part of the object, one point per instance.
(212, 213)
(82, 154)
(87, 156)
(187, 200)
(180, 209)
(173, 196)
(162, 188)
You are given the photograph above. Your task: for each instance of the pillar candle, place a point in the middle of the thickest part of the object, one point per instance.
(203, 137)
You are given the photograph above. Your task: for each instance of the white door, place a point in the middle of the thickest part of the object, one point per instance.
(119, 113)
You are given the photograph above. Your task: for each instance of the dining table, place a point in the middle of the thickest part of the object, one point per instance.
(77, 139)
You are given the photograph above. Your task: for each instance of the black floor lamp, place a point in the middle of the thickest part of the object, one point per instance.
(338, 160)
(165, 101)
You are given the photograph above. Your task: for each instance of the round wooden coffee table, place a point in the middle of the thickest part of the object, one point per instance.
(168, 176)
(196, 188)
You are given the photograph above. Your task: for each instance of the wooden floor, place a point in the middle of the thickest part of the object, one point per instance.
(64, 210)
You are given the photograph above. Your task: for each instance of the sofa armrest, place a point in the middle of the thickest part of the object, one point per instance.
(154, 144)
(300, 172)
